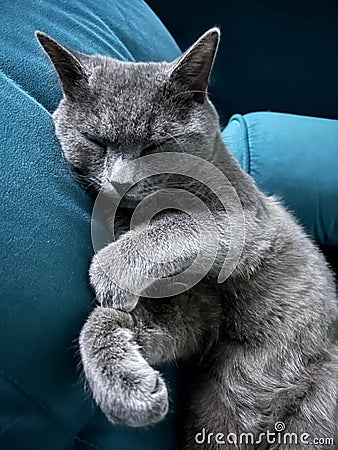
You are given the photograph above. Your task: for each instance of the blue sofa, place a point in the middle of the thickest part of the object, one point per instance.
(45, 221)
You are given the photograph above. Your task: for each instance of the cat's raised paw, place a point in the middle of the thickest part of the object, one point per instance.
(126, 388)
(142, 400)
(135, 395)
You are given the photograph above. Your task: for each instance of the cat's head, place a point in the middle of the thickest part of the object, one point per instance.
(113, 112)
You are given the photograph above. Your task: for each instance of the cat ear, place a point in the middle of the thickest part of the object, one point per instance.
(67, 64)
(193, 68)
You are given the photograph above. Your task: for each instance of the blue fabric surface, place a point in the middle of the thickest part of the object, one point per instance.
(45, 228)
(295, 158)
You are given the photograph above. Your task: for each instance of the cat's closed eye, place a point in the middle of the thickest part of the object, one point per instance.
(155, 147)
(149, 149)
(98, 142)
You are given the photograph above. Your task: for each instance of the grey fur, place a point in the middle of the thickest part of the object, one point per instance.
(260, 342)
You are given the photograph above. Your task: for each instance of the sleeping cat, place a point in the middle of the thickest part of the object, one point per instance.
(259, 342)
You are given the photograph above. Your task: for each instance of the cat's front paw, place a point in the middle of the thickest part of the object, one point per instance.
(138, 398)
(102, 278)
(126, 388)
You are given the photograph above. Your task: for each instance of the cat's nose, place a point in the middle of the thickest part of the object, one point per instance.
(121, 188)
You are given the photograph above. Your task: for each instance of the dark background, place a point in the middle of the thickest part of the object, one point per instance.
(274, 55)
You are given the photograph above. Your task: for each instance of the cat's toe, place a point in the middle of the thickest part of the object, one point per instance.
(145, 404)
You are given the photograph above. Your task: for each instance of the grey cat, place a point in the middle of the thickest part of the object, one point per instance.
(259, 343)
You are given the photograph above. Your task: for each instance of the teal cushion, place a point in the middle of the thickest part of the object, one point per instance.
(45, 228)
(296, 159)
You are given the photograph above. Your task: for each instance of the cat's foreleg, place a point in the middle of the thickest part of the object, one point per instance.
(118, 347)
(122, 270)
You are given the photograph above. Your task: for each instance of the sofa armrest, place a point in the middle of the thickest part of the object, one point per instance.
(296, 159)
